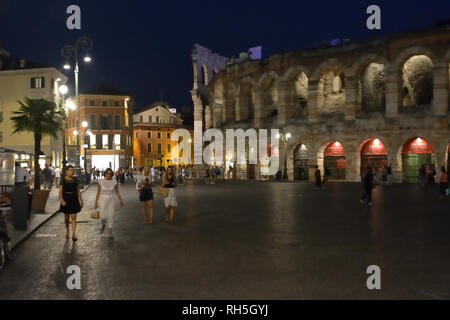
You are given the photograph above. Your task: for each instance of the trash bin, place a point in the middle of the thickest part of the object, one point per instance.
(20, 205)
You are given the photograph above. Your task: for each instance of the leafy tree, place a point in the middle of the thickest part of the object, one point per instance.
(40, 117)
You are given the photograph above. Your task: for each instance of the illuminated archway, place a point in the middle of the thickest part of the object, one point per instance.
(416, 152)
(374, 154)
(335, 160)
(301, 163)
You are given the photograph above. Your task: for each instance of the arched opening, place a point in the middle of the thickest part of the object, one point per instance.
(301, 163)
(335, 160)
(372, 84)
(417, 76)
(300, 96)
(416, 152)
(331, 89)
(230, 103)
(246, 102)
(374, 154)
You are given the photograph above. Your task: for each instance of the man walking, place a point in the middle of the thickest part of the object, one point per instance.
(47, 175)
(368, 186)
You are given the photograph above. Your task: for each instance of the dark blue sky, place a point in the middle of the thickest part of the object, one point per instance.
(143, 46)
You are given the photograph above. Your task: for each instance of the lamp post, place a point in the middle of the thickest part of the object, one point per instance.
(284, 138)
(63, 91)
(69, 52)
(84, 124)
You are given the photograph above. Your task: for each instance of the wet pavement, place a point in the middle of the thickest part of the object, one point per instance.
(245, 240)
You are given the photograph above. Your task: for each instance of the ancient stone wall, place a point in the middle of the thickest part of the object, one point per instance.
(392, 89)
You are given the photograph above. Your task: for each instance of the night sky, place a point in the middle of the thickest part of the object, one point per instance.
(143, 47)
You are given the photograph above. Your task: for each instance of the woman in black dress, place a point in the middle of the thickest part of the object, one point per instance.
(71, 200)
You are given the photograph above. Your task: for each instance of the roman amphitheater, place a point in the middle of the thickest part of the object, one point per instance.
(346, 105)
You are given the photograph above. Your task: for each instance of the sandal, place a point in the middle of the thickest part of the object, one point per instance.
(74, 239)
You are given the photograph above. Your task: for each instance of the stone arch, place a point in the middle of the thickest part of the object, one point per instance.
(245, 106)
(373, 157)
(297, 86)
(370, 74)
(268, 89)
(323, 65)
(420, 64)
(301, 158)
(411, 170)
(330, 85)
(322, 159)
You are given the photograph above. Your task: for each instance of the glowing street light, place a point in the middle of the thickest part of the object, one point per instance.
(84, 124)
(63, 89)
(71, 105)
(284, 138)
(66, 66)
(75, 132)
(87, 59)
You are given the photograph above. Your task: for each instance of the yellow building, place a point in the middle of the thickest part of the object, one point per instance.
(20, 78)
(152, 135)
(107, 113)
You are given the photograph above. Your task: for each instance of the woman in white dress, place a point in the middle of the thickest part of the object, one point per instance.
(105, 201)
(170, 202)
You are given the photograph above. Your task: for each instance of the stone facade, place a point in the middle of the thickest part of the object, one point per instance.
(391, 90)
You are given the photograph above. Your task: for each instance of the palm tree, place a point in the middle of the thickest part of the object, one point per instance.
(40, 117)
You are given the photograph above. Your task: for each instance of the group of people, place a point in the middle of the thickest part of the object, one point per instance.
(213, 173)
(49, 176)
(107, 189)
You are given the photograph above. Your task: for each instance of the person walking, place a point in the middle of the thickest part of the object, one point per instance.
(207, 175)
(318, 177)
(170, 202)
(57, 176)
(368, 182)
(443, 182)
(105, 201)
(326, 173)
(71, 201)
(144, 186)
(422, 175)
(47, 175)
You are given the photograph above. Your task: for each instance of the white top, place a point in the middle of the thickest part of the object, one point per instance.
(107, 186)
(57, 172)
(141, 178)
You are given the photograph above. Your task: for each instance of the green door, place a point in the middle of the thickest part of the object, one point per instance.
(412, 163)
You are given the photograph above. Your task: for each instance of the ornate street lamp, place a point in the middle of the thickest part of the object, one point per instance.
(71, 52)
(63, 91)
(284, 138)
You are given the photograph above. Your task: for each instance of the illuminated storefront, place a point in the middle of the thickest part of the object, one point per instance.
(374, 154)
(416, 153)
(335, 160)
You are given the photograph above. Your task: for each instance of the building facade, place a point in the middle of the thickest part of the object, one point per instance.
(20, 78)
(346, 106)
(152, 133)
(106, 141)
